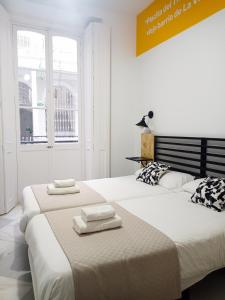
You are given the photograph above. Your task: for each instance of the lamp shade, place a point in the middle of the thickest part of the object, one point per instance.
(142, 123)
(150, 114)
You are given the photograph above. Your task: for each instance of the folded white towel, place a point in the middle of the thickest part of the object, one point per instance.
(95, 213)
(81, 227)
(52, 190)
(64, 183)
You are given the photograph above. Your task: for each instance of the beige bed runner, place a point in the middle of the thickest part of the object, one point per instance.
(135, 262)
(87, 196)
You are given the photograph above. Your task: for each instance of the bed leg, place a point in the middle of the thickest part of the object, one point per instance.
(186, 295)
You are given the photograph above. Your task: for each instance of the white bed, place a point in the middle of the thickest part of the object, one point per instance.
(112, 189)
(198, 232)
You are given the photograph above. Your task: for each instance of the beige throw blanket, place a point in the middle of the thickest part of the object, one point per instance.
(135, 262)
(87, 196)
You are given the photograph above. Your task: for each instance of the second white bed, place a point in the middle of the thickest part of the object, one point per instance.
(198, 232)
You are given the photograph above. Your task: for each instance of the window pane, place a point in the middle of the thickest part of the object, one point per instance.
(31, 50)
(33, 125)
(66, 80)
(32, 86)
(66, 115)
(64, 54)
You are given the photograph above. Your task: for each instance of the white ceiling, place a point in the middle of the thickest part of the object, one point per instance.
(72, 12)
(126, 6)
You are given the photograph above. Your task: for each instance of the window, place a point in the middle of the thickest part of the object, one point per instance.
(65, 89)
(32, 87)
(43, 119)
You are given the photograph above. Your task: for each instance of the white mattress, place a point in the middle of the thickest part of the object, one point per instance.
(112, 189)
(198, 232)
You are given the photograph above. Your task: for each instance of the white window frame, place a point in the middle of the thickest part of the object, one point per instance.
(49, 33)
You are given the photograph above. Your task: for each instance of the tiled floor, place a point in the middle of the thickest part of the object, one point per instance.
(15, 277)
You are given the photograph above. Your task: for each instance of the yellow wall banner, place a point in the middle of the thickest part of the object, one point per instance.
(163, 19)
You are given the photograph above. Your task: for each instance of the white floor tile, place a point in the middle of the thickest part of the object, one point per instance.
(11, 289)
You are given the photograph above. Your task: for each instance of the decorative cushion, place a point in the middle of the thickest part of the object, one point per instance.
(152, 173)
(211, 193)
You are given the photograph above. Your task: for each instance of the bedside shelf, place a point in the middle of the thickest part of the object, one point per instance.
(139, 159)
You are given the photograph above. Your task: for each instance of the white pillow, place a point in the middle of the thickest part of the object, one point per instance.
(191, 186)
(138, 172)
(175, 180)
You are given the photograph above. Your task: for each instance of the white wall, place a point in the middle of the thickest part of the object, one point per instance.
(125, 106)
(183, 81)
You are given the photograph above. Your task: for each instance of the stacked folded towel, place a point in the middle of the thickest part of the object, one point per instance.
(64, 183)
(96, 213)
(63, 187)
(96, 218)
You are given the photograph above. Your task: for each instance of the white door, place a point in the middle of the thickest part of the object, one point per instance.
(66, 158)
(48, 106)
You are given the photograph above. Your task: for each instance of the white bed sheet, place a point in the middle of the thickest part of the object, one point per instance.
(112, 189)
(198, 232)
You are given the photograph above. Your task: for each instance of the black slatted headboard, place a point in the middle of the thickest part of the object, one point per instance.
(197, 156)
(215, 157)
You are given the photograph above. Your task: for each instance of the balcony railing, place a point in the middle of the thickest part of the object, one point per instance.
(43, 139)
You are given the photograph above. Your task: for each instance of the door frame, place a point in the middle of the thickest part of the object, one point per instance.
(78, 146)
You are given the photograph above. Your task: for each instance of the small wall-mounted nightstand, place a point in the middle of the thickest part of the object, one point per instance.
(142, 160)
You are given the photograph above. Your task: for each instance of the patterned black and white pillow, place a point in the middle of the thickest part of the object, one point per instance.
(152, 173)
(211, 193)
